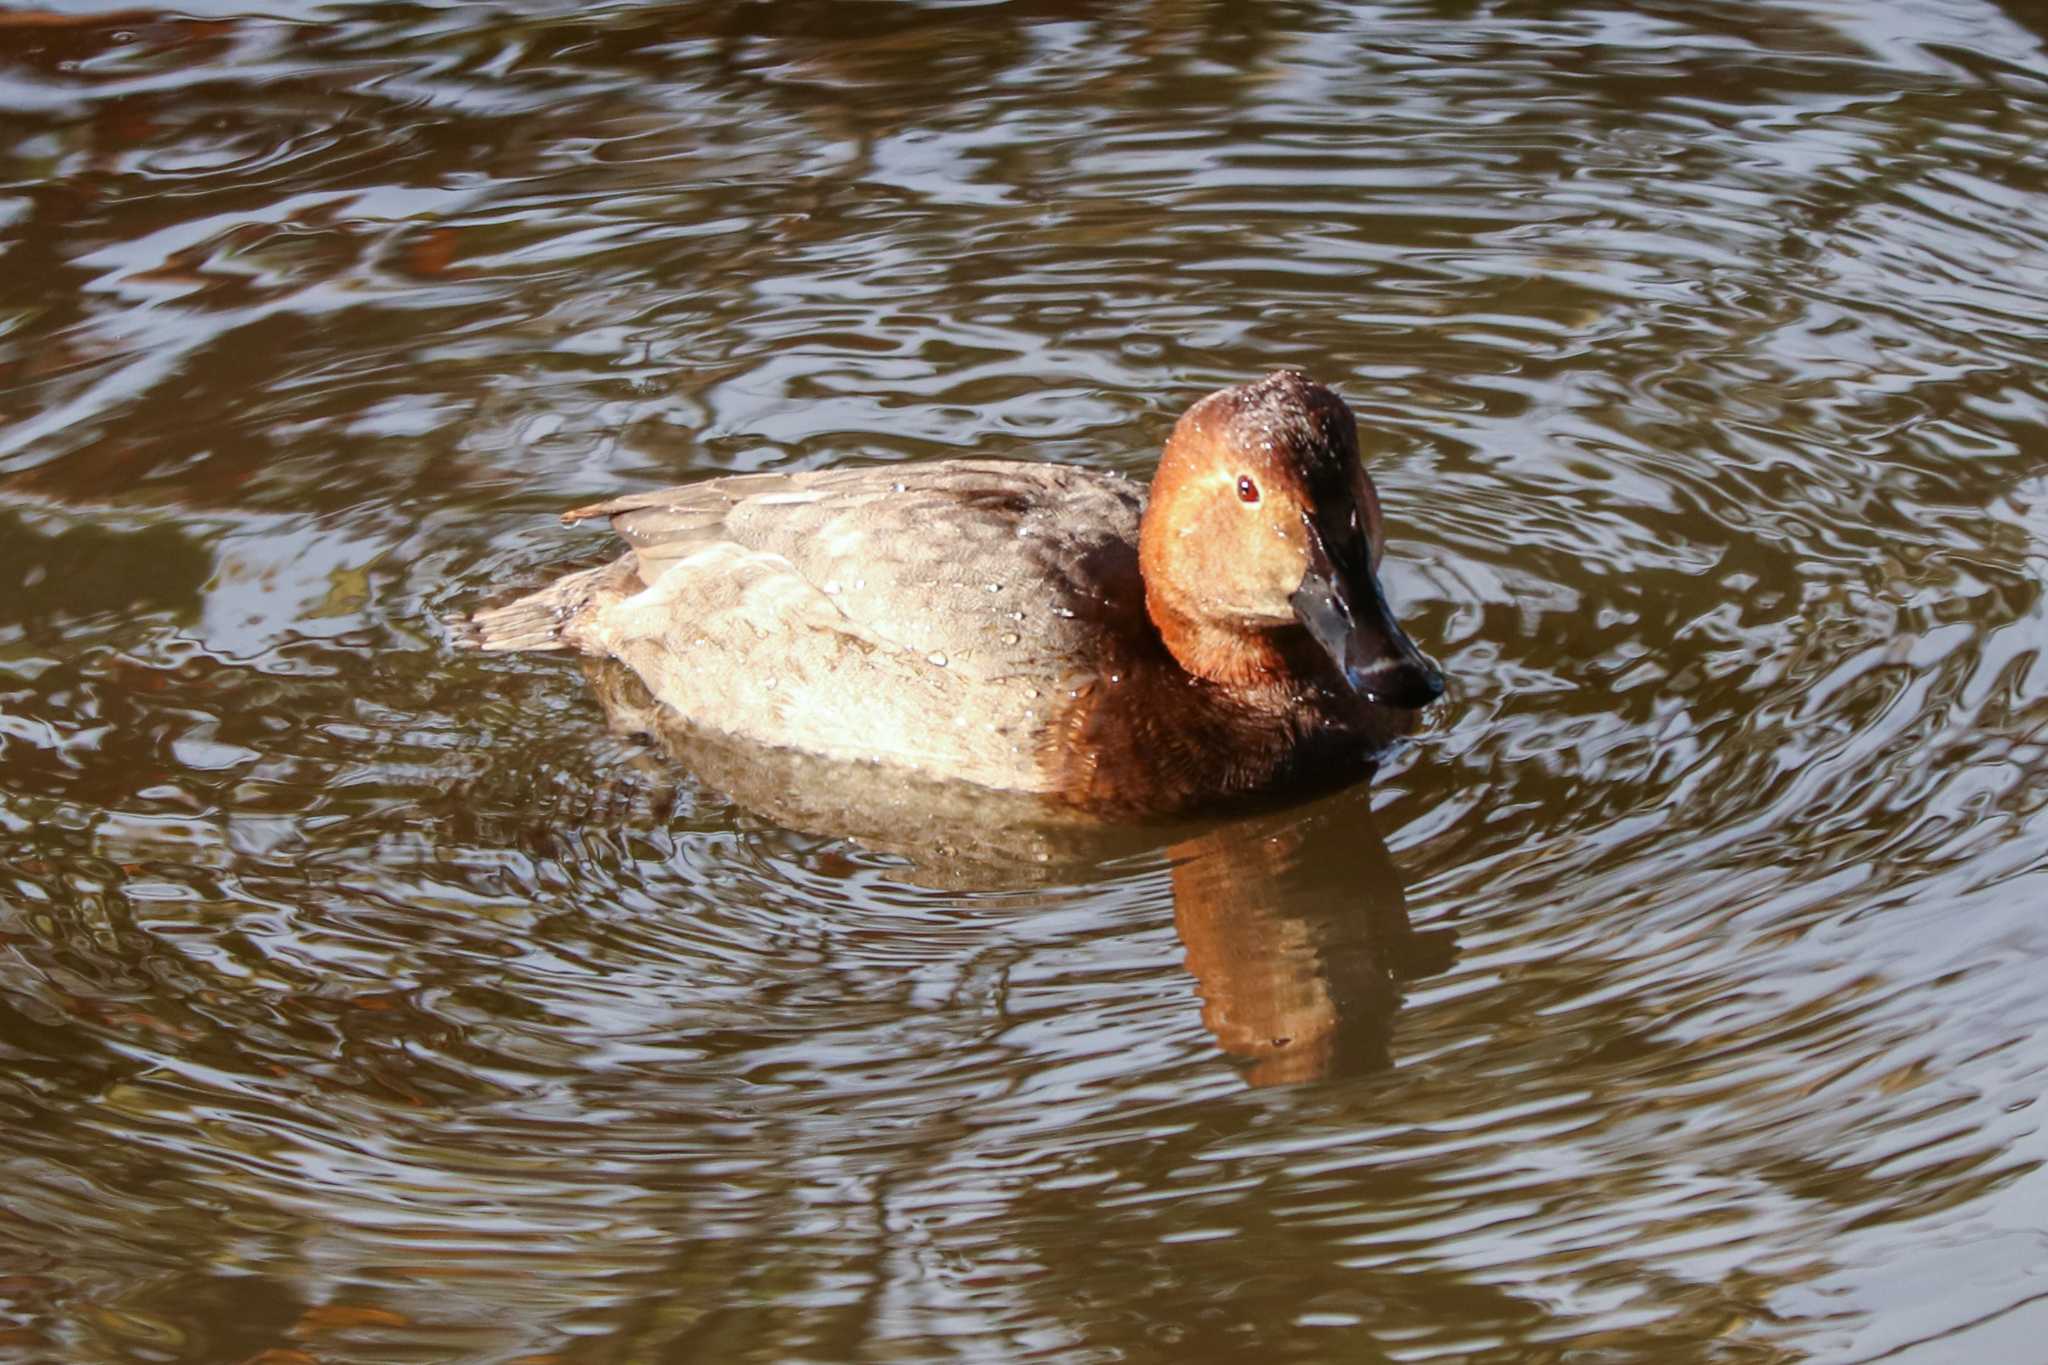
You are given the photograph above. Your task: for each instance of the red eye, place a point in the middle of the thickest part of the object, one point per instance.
(1246, 489)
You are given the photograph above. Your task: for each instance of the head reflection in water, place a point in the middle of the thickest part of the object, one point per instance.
(1297, 932)
(1294, 922)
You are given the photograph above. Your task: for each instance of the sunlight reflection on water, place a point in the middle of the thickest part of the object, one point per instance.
(1674, 995)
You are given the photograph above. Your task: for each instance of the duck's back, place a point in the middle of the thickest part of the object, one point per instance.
(931, 616)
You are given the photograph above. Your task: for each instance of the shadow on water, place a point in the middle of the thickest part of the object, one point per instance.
(52, 572)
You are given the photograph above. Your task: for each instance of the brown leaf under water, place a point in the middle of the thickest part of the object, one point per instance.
(42, 18)
(336, 1317)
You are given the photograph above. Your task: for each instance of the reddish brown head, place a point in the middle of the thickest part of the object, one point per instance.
(1262, 528)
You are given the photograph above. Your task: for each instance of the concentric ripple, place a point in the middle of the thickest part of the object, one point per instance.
(1675, 995)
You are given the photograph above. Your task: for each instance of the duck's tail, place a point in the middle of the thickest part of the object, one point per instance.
(543, 619)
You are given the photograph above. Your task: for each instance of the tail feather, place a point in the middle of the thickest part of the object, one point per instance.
(540, 619)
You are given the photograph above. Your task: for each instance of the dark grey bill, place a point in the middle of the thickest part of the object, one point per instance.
(1347, 615)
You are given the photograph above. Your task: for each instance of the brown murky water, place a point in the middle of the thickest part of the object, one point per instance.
(1678, 994)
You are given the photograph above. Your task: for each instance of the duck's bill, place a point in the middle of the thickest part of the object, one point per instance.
(1347, 614)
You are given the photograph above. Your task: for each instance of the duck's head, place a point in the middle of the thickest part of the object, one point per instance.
(1262, 528)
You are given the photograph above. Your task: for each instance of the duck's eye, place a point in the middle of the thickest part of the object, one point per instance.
(1247, 491)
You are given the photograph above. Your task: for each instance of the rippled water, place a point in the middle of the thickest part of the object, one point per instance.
(1676, 995)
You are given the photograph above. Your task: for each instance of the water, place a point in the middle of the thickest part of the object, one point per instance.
(1675, 995)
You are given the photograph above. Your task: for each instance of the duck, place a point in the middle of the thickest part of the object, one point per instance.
(1036, 629)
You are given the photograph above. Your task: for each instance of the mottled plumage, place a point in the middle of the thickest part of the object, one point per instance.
(988, 622)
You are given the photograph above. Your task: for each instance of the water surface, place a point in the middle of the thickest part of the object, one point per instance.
(1674, 995)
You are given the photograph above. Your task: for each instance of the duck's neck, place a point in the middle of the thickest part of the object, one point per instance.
(1257, 667)
(1258, 718)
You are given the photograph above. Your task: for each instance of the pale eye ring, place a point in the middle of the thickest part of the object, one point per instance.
(1247, 491)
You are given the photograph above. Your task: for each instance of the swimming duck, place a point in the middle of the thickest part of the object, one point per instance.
(1031, 628)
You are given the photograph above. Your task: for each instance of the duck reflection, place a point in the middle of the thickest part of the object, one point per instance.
(1295, 923)
(1297, 930)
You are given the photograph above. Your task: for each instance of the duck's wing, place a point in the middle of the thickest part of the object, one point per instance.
(663, 525)
(992, 566)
